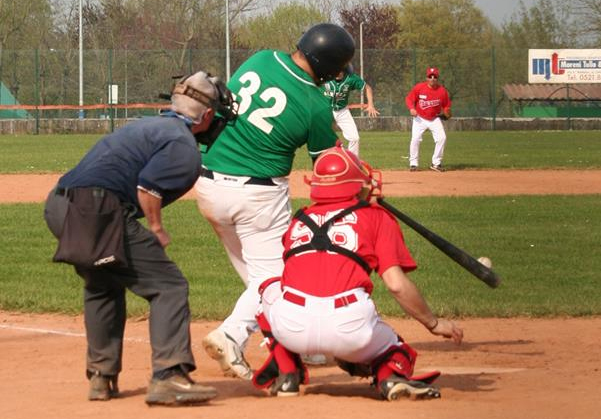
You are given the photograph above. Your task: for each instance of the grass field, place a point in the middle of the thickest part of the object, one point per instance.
(383, 150)
(538, 244)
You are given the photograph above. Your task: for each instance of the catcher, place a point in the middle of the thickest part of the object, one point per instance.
(322, 302)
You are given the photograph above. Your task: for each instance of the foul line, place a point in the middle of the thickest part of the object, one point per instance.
(475, 370)
(61, 332)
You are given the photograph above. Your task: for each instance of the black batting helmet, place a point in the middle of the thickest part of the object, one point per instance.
(328, 49)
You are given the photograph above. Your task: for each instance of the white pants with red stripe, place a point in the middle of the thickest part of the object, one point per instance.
(420, 125)
(305, 324)
(347, 125)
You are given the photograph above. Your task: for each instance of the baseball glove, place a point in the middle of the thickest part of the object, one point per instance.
(443, 117)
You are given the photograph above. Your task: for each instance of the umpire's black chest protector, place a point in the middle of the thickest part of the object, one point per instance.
(321, 241)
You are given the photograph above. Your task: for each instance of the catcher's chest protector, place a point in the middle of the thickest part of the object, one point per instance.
(321, 241)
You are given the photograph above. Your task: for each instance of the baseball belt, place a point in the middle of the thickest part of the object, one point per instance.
(251, 181)
(343, 301)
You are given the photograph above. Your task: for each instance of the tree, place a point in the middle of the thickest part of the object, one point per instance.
(24, 24)
(279, 29)
(380, 24)
(381, 66)
(543, 25)
(442, 24)
(173, 28)
(588, 13)
(24, 27)
(136, 43)
(328, 8)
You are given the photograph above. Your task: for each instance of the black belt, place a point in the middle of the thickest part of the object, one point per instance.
(59, 190)
(265, 181)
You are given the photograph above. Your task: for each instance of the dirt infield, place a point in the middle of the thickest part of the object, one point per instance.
(33, 188)
(505, 369)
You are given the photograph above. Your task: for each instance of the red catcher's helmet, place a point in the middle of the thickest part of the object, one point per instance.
(338, 175)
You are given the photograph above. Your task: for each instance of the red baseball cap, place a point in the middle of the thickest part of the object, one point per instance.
(432, 71)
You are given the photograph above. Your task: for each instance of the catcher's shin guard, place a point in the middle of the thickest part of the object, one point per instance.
(393, 375)
(280, 363)
(400, 360)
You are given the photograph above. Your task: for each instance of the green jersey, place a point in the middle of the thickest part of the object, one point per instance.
(338, 91)
(280, 109)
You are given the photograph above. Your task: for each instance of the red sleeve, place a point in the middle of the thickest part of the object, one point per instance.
(410, 98)
(390, 246)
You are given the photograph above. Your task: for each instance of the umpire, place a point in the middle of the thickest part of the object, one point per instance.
(94, 211)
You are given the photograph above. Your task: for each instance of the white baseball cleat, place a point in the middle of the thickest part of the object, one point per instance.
(223, 349)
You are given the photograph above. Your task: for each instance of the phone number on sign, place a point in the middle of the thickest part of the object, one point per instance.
(585, 77)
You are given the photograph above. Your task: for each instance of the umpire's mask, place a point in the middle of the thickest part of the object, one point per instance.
(193, 94)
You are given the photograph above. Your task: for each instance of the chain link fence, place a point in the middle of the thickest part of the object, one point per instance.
(474, 78)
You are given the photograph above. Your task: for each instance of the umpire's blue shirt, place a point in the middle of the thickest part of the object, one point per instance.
(159, 154)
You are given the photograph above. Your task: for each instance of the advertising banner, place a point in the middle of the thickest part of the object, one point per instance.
(564, 66)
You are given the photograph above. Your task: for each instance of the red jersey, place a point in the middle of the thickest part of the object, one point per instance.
(371, 232)
(428, 101)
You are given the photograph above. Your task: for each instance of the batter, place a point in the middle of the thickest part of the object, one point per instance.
(243, 188)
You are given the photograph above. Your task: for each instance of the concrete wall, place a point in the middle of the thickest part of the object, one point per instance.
(386, 123)
(482, 124)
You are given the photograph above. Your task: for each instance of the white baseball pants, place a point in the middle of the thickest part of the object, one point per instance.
(347, 125)
(250, 220)
(352, 332)
(420, 125)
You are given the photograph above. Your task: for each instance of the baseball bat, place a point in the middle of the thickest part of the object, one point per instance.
(474, 267)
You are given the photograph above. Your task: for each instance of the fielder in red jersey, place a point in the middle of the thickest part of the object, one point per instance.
(322, 303)
(426, 102)
(429, 98)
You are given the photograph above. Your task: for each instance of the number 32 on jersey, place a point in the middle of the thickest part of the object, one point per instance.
(273, 96)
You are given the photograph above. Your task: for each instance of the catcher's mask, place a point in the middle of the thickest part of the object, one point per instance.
(328, 48)
(193, 94)
(339, 175)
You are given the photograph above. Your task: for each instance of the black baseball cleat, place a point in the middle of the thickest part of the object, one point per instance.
(436, 167)
(286, 385)
(396, 387)
(413, 168)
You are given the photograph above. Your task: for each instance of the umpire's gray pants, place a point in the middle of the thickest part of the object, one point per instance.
(150, 275)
